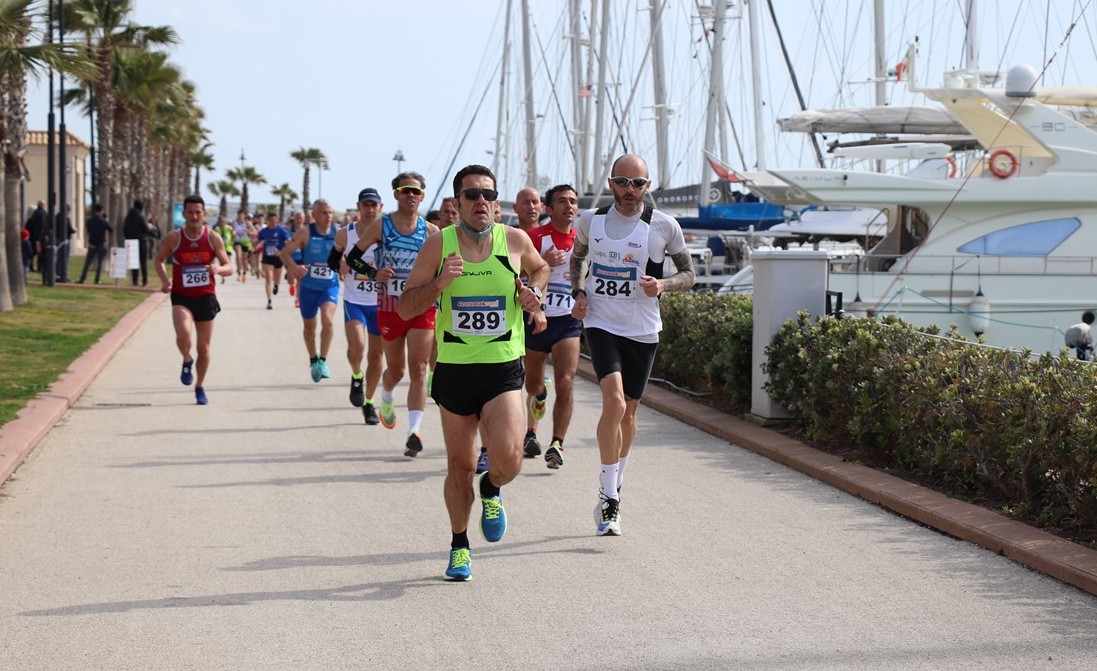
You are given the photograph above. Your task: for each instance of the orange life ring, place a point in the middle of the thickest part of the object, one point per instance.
(951, 166)
(1003, 163)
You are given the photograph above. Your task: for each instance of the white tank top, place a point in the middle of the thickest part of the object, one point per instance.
(558, 298)
(359, 289)
(615, 301)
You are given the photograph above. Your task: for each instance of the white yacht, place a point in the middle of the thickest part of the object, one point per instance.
(1006, 245)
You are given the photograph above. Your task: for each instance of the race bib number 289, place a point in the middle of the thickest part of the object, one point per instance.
(479, 315)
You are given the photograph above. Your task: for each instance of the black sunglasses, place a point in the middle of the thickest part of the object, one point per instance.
(638, 182)
(490, 195)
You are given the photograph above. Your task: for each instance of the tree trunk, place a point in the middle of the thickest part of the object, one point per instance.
(15, 123)
(305, 193)
(16, 259)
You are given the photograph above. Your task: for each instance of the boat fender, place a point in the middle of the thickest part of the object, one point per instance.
(1003, 163)
(979, 313)
(951, 167)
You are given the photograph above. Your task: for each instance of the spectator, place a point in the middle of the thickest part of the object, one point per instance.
(98, 243)
(136, 227)
(36, 226)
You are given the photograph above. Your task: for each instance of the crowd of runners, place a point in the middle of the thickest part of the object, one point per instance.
(470, 311)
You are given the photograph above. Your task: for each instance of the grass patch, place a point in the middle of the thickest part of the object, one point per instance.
(39, 340)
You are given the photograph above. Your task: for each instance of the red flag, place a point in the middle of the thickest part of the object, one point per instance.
(722, 170)
(584, 91)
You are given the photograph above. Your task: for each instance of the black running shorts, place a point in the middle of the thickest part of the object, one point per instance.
(611, 353)
(203, 308)
(465, 388)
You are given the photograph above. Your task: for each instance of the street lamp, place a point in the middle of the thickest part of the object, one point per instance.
(399, 158)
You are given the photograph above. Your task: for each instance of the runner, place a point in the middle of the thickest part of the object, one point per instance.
(554, 241)
(272, 238)
(528, 208)
(407, 343)
(472, 270)
(318, 289)
(360, 311)
(198, 256)
(241, 244)
(619, 305)
(297, 222)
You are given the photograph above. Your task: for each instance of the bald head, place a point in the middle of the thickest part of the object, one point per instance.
(632, 164)
(527, 205)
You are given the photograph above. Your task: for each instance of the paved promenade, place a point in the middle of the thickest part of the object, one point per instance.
(272, 529)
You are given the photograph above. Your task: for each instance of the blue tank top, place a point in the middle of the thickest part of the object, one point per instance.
(315, 259)
(398, 251)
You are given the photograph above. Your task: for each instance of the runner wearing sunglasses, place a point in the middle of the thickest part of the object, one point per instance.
(617, 298)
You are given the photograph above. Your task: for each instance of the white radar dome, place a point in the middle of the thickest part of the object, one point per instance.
(1021, 81)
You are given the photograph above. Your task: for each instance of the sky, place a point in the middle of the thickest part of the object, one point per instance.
(363, 79)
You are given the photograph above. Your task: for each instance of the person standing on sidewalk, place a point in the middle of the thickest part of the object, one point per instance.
(472, 270)
(198, 257)
(400, 235)
(554, 241)
(98, 243)
(136, 227)
(318, 290)
(618, 302)
(360, 310)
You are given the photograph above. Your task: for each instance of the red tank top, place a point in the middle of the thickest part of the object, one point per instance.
(190, 274)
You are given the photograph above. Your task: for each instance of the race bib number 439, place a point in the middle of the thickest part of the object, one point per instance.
(614, 282)
(479, 315)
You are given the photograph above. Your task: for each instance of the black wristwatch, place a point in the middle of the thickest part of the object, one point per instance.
(575, 292)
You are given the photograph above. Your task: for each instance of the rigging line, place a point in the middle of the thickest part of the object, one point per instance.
(555, 94)
(457, 152)
(968, 174)
(795, 81)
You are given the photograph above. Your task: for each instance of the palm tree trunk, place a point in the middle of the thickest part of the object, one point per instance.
(305, 193)
(15, 124)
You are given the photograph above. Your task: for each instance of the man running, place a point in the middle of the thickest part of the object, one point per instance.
(360, 310)
(554, 241)
(241, 244)
(407, 342)
(272, 239)
(318, 290)
(619, 305)
(198, 256)
(528, 208)
(472, 270)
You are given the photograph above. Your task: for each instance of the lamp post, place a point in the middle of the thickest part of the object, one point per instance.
(399, 158)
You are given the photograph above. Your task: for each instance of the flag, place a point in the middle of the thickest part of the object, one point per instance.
(585, 91)
(722, 170)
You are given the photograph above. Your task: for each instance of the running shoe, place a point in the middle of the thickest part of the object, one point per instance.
(187, 375)
(531, 445)
(293, 290)
(357, 391)
(275, 290)
(554, 455)
(607, 519)
(324, 370)
(493, 520)
(314, 369)
(460, 565)
(414, 445)
(482, 461)
(269, 306)
(388, 414)
(369, 414)
(296, 302)
(538, 403)
(200, 396)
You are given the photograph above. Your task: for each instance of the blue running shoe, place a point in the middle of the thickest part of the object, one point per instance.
(314, 370)
(187, 375)
(482, 462)
(200, 396)
(493, 521)
(460, 565)
(323, 366)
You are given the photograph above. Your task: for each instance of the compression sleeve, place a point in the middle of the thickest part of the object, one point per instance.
(358, 264)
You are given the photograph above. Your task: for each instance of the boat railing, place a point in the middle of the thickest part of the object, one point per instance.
(966, 264)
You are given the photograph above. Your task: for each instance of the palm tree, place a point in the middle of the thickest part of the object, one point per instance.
(245, 174)
(285, 195)
(18, 58)
(308, 157)
(107, 26)
(199, 159)
(223, 189)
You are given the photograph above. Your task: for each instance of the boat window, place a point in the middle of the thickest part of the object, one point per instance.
(1038, 238)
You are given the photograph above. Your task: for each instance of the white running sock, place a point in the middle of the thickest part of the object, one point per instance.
(621, 471)
(415, 418)
(386, 395)
(609, 481)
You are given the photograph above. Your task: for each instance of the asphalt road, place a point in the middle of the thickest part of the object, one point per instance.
(272, 529)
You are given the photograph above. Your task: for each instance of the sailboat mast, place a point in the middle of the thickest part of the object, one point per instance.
(500, 118)
(603, 93)
(715, 97)
(880, 76)
(756, 81)
(662, 115)
(531, 128)
(582, 95)
(971, 36)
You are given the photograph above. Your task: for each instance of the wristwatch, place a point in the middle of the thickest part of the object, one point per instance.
(575, 292)
(537, 292)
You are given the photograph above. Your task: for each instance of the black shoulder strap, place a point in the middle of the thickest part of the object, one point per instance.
(603, 210)
(646, 216)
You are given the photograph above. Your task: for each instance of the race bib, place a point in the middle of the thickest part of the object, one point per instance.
(195, 276)
(364, 283)
(558, 296)
(321, 271)
(479, 315)
(618, 283)
(395, 286)
(269, 250)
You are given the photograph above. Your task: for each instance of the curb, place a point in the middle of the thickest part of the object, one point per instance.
(1038, 550)
(19, 437)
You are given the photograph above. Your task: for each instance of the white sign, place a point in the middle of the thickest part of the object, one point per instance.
(118, 263)
(133, 254)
